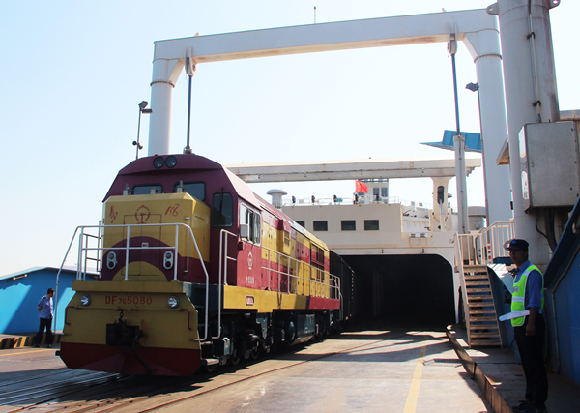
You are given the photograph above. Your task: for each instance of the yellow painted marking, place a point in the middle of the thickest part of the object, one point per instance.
(25, 352)
(411, 403)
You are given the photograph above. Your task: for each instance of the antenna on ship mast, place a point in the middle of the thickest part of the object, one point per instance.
(314, 14)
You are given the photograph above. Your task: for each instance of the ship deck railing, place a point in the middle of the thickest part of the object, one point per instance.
(361, 200)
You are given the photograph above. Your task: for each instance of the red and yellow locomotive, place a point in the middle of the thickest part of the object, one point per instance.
(195, 270)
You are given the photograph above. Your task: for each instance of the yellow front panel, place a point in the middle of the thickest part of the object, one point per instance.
(155, 209)
(144, 304)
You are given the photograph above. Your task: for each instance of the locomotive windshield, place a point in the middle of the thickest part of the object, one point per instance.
(195, 189)
(147, 189)
(223, 209)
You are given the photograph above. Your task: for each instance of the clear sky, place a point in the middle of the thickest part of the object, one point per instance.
(73, 72)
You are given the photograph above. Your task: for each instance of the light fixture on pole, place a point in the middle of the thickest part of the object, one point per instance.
(136, 143)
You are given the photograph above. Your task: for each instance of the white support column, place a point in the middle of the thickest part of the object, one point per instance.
(441, 210)
(484, 46)
(165, 75)
(520, 97)
(462, 218)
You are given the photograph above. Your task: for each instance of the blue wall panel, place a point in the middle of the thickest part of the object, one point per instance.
(19, 300)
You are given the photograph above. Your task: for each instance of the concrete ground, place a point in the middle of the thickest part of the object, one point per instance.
(502, 380)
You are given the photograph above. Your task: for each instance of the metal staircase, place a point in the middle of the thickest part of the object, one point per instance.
(473, 253)
(481, 318)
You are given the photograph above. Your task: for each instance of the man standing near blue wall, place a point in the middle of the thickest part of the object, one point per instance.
(45, 309)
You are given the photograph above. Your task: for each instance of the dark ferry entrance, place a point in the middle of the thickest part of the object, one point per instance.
(403, 291)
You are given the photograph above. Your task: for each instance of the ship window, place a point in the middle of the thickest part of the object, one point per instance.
(146, 189)
(348, 225)
(320, 225)
(300, 222)
(223, 209)
(372, 225)
(195, 189)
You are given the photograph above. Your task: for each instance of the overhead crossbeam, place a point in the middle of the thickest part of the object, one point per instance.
(345, 170)
(321, 37)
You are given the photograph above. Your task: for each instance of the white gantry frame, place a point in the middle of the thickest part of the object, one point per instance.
(477, 29)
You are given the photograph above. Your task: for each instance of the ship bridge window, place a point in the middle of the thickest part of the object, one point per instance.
(348, 225)
(253, 220)
(372, 225)
(195, 189)
(223, 209)
(320, 225)
(147, 189)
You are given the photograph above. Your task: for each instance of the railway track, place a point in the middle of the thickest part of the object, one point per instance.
(87, 391)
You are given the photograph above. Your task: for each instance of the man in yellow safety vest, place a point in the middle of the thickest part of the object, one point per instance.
(529, 326)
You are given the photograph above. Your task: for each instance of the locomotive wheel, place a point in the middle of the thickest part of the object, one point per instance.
(255, 353)
(234, 358)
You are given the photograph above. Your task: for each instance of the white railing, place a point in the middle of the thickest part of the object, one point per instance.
(483, 247)
(325, 284)
(459, 265)
(87, 253)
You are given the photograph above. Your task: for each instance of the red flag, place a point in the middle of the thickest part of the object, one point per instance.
(360, 187)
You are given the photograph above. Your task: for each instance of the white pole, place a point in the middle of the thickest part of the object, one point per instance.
(492, 112)
(165, 75)
(521, 96)
(460, 175)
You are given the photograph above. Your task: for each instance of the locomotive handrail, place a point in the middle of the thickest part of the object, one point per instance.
(84, 249)
(223, 248)
(331, 288)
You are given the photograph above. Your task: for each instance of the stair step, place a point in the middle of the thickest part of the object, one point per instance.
(485, 343)
(480, 312)
(476, 277)
(484, 335)
(476, 303)
(475, 268)
(479, 297)
(478, 290)
(479, 319)
(469, 283)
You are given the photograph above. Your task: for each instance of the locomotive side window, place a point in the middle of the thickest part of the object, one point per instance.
(254, 222)
(195, 189)
(223, 209)
(147, 189)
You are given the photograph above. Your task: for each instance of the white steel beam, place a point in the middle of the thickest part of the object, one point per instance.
(169, 56)
(321, 37)
(343, 170)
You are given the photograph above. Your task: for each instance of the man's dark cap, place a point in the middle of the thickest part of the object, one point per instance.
(516, 245)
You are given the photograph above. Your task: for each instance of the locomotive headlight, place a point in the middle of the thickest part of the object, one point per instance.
(167, 260)
(111, 259)
(85, 300)
(173, 302)
(171, 161)
(158, 162)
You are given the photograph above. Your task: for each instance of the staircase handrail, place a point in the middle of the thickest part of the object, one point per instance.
(495, 237)
(459, 266)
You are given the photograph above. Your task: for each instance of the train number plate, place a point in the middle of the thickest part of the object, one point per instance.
(128, 300)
